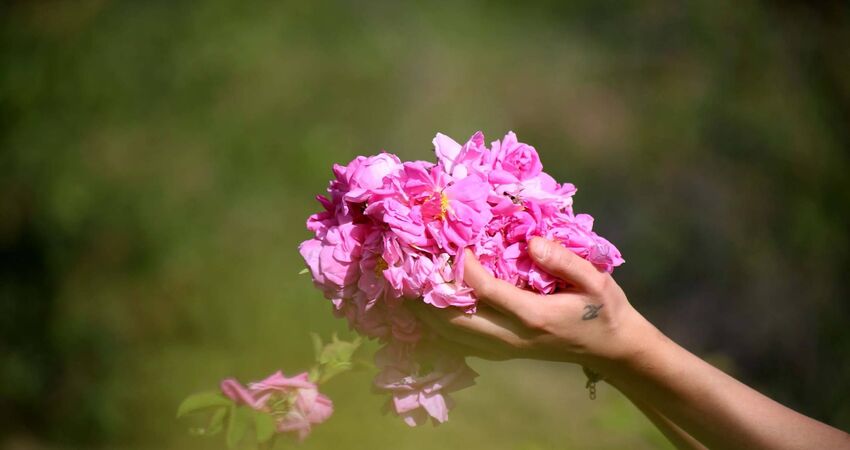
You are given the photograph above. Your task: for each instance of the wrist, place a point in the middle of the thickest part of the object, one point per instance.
(632, 343)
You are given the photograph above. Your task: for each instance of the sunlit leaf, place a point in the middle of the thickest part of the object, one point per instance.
(264, 426)
(240, 420)
(333, 369)
(304, 271)
(314, 374)
(202, 400)
(339, 351)
(216, 422)
(213, 427)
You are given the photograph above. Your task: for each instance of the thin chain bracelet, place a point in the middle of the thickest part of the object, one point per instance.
(592, 379)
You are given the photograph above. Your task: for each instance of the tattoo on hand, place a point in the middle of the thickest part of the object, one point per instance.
(591, 312)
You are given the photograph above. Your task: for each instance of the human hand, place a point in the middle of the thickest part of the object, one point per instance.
(590, 323)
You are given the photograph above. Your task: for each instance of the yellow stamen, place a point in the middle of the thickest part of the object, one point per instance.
(444, 205)
(380, 267)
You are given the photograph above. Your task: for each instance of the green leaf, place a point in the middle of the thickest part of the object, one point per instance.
(333, 358)
(339, 351)
(264, 426)
(214, 425)
(304, 271)
(240, 419)
(216, 422)
(202, 400)
(333, 369)
(314, 374)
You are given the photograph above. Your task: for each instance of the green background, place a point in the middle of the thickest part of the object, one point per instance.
(158, 160)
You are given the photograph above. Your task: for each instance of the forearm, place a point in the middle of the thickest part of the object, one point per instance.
(676, 435)
(708, 404)
(593, 324)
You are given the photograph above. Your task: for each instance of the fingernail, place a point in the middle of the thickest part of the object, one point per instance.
(540, 248)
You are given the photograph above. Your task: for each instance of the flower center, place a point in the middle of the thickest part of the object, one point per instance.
(381, 266)
(444, 205)
(435, 206)
(280, 403)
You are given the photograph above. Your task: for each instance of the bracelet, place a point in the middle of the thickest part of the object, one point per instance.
(592, 379)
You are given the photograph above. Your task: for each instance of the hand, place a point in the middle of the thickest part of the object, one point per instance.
(591, 323)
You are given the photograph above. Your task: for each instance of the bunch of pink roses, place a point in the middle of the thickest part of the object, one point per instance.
(394, 232)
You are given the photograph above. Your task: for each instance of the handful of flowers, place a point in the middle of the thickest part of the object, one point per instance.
(393, 232)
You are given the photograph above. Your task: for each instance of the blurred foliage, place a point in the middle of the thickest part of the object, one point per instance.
(158, 160)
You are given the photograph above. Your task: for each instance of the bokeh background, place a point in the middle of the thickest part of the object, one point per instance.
(158, 160)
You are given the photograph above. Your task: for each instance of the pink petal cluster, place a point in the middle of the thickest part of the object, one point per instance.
(418, 394)
(295, 403)
(392, 232)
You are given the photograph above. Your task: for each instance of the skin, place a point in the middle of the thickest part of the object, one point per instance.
(593, 324)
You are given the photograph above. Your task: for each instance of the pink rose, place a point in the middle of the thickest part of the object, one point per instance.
(456, 212)
(295, 403)
(515, 158)
(542, 190)
(418, 396)
(404, 325)
(365, 174)
(311, 408)
(409, 277)
(404, 221)
(444, 287)
(367, 316)
(577, 235)
(458, 161)
(337, 256)
(310, 250)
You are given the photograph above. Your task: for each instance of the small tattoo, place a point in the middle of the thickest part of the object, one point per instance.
(591, 312)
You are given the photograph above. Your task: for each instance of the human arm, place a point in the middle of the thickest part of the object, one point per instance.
(675, 434)
(593, 324)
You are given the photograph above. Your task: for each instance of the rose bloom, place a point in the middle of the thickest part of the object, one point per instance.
(517, 159)
(295, 403)
(418, 395)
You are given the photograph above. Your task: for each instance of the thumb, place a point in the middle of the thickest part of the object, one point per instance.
(556, 259)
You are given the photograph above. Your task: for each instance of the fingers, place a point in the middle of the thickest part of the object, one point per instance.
(485, 322)
(563, 263)
(499, 293)
(431, 317)
(486, 330)
(457, 348)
